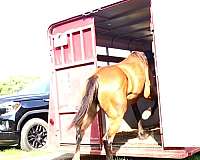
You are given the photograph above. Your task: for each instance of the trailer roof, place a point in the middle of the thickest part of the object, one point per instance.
(127, 19)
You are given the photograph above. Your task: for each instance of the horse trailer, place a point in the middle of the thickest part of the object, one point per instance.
(167, 32)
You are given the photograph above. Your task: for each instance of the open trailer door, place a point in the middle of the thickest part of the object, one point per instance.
(73, 46)
(177, 36)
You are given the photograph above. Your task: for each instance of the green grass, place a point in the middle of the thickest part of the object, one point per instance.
(17, 154)
(194, 157)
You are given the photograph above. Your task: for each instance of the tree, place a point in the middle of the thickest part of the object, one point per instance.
(14, 84)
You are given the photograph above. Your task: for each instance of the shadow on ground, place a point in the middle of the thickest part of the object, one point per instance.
(2, 148)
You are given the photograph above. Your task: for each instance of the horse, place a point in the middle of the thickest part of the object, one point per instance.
(154, 96)
(112, 88)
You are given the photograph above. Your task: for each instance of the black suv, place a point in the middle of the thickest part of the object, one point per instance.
(24, 117)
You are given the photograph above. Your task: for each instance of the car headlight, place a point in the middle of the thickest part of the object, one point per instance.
(8, 108)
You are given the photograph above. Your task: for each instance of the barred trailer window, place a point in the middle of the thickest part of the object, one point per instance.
(110, 52)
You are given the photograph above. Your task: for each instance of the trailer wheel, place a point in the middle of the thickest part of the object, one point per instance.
(34, 135)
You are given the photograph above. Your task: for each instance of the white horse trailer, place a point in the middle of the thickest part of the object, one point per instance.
(167, 31)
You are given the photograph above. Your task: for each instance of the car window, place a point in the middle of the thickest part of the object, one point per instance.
(37, 87)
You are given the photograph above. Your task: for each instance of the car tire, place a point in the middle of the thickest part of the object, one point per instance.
(34, 135)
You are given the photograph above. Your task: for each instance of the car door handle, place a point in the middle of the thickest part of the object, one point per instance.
(46, 100)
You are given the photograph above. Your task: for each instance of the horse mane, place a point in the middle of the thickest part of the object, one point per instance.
(140, 55)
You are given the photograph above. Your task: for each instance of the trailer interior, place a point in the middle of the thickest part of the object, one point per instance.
(119, 30)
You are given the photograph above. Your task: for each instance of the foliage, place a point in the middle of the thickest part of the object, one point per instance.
(14, 84)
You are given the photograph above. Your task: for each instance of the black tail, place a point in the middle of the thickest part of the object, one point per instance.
(89, 97)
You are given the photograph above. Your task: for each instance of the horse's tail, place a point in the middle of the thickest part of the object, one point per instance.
(86, 103)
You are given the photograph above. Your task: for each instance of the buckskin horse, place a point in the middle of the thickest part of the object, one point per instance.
(112, 88)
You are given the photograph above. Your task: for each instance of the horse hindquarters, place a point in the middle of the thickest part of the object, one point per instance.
(112, 99)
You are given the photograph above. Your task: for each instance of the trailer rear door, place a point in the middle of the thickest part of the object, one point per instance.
(74, 60)
(176, 26)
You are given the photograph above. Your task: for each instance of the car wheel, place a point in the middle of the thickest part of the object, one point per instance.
(34, 135)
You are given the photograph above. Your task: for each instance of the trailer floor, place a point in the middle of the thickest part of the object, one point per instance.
(127, 144)
(130, 139)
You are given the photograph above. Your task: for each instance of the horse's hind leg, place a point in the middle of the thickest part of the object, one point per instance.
(141, 133)
(108, 149)
(114, 124)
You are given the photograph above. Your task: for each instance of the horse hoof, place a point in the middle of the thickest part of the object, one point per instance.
(76, 157)
(146, 114)
(109, 158)
(143, 136)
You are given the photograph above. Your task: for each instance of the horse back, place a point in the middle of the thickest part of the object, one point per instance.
(129, 76)
(111, 78)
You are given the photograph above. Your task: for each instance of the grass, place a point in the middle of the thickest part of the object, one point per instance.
(194, 157)
(17, 154)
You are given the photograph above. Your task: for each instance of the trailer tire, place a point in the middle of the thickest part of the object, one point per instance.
(34, 135)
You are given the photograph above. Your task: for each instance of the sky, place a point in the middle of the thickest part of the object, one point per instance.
(24, 46)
